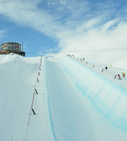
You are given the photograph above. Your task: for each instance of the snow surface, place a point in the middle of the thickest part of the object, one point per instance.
(75, 101)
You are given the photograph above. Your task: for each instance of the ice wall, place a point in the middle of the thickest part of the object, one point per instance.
(108, 98)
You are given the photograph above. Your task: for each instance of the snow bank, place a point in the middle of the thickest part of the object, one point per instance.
(17, 79)
(108, 99)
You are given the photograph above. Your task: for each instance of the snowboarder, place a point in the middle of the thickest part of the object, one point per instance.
(119, 77)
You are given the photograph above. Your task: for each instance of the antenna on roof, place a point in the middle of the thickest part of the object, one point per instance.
(22, 46)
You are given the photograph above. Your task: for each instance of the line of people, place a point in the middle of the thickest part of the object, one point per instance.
(83, 59)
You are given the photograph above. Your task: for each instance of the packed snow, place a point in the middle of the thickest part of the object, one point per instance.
(72, 100)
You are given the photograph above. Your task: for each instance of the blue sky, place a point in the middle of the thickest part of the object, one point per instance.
(63, 26)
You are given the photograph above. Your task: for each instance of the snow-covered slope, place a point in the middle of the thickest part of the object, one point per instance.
(16, 89)
(75, 102)
(108, 98)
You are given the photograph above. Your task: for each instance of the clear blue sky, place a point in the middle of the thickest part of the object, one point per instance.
(63, 26)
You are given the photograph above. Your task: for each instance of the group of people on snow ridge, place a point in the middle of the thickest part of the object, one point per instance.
(119, 76)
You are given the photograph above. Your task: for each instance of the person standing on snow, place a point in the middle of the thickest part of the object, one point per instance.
(124, 75)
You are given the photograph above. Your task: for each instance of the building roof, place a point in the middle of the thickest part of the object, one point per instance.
(10, 42)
